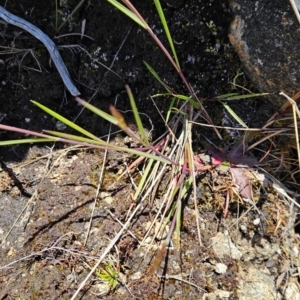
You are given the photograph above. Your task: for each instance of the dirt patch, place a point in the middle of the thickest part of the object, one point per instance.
(47, 253)
(55, 224)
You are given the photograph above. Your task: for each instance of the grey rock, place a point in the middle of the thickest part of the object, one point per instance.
(255, 284)
(266, 36)
(220, 268)
(223, 246)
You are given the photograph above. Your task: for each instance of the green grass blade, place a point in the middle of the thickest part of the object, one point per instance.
(236, 96)
(181, 97)
(143, 179)
(170, 110)
(233, 114)
(156, 76)
(128, 13)
(106, 145)
(137, 118)
(65, 121)
(27, 141)
(187, 185)
(167, 31)
(225, 96)
(98, 111)
(191, 101)
(76, 138)
(246, 96)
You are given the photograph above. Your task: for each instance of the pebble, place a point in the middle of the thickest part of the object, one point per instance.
(256, 221)
(243, 228)
(220, 268)
(270, 263)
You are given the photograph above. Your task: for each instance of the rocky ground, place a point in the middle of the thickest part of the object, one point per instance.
(48, 193)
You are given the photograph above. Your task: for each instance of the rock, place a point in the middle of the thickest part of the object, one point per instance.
(292, 291)
(255, 284)
(222, 245)
(266, 36)
(220, 268)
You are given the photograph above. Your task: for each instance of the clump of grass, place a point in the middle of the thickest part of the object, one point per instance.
(108, 274)
(172, 154)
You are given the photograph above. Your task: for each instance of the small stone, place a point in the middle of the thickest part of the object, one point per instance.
(222, 246)
(102, 288)
(70, 278)
(109, 200)
(136, 276)
(220, 268)
(292, 291)
(270, 263)
(243, 228)
(256, 221)
(104, 195)
(296, 251)
(147, 240)
(255, 284)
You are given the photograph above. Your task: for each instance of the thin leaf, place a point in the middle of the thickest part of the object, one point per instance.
(98, 111)
(27, 141)
(128, 12)
(156, 76)
(137, 117)
(225, 96)
(76, 138)
(188, 99)
(56, 14)
(65, 121)
(233, 114)
(178, 223)
(167, 31)
(106, 145)
(143, 180)
(239, 97)
(181, 97)
(170, 110)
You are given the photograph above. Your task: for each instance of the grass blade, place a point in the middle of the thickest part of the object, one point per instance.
(26, 141)
(137, 118)
(66, 121)
(105, 145)
(98, 111)
(188, 99)
(128, 13)
(236, 96)
(156, 76)
(143, 180)
(167, 31)
(234, 115)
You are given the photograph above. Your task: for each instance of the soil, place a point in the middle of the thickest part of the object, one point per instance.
(48, 194)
